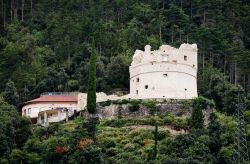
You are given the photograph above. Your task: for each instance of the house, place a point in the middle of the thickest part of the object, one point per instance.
(58, 106)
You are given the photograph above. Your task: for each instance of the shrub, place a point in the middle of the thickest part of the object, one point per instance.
(151, 105)
(109, 143)
(162, 135)
(121, 102)
(115, 123)
(134, 105)
(169, 119)
(105, 103)
(129, 147)
(112, 151)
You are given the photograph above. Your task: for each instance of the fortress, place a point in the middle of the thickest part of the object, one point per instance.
(168, 73)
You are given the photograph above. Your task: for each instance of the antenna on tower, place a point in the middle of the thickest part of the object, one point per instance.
(240, 154)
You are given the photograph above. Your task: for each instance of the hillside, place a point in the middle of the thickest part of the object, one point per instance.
(125, 141)
(45, 45)
(88, 45)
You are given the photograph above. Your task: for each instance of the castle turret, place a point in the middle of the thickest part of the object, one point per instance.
(164, 73)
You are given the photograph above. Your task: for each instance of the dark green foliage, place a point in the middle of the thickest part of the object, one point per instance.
(105, 103)
(14, 129)
(115, 123)
(151, 105)
(134, 105)
(196, 120)
(91, 94)
(10, 93)
(214, 132)
(91, 126)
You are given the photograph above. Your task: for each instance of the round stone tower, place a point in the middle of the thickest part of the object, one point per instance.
(165, 73)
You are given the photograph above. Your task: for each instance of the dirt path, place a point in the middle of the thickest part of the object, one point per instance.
(172, 131)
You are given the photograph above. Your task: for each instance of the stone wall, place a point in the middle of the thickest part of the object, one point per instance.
(123, 110)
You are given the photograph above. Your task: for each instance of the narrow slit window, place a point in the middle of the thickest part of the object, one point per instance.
(185, 58)
(146, 86)
(137, 92)
(137, 79)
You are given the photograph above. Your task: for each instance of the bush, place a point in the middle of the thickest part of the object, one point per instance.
(129, 147)
(121, 102)
(151, 105)
(162, 135)
(105, 103)
(169, 119)
(112, 151)
(109, 143)
(134, 105)
(247, 116)
(115, 123)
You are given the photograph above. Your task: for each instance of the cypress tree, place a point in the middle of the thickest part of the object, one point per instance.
(197, 118)
(91, 94)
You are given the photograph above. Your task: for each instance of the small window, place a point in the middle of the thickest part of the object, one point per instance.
(146, 86)
(24, 111)
(165, 75)
(185, 89)
(29, 110)
(185, 58)
(193, 65)
(137, 79)
(137, 92)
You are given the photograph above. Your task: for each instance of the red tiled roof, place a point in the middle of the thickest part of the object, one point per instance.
(56, 98)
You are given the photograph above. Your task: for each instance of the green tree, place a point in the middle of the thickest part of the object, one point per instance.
(91, 94)
(197, 118)
(214, 132)
(10, 93)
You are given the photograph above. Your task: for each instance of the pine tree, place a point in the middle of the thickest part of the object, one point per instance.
(91, 95)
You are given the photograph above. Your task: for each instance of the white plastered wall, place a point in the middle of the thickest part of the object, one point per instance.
(164, 73)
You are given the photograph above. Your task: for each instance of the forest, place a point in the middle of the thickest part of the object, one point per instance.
(45, 46)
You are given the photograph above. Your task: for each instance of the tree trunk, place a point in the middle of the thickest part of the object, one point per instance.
(180, 36)
(172, 37)
(225, 67)
(22, 8)
(31, 8)
(2, 13)
(244, 81)
(160, 34)
(235, 74)
(204, 17)
(191, 9)
(15, 9)
(11, 9)
(203, 62)
(248, 82)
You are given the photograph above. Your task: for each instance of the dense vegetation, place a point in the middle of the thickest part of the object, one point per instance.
(46, 46)
(126, 140)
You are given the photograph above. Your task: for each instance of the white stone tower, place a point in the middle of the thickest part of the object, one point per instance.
(165, 73)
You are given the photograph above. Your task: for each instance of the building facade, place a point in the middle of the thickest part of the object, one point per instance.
(58, 106)
(168, 73)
